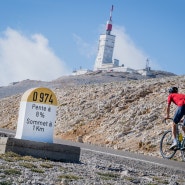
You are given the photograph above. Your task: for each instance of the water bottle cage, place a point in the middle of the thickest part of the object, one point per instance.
(180, 138)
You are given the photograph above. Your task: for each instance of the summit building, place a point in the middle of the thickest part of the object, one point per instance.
(106, 48)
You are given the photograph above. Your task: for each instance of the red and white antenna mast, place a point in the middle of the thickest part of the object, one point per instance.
(109, 22)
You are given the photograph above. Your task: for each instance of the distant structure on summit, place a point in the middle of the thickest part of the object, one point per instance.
(106, 48)
(104, 61)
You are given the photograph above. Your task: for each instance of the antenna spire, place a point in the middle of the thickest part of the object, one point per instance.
(111, 10)
(109, 22)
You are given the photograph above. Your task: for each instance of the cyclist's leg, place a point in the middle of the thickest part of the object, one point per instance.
(174, 143)
(174, 128)
(176, 119)
(183, 127)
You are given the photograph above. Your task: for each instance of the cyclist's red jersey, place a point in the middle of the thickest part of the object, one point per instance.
(178, 99)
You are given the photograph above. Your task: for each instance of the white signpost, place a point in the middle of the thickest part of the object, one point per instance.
(37, 115)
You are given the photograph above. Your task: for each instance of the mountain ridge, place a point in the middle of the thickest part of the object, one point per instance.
(89, 78)
(116, 110)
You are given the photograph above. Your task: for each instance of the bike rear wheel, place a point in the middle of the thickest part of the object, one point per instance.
(165, 143)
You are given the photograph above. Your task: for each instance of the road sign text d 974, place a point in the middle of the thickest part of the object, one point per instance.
(42, 97)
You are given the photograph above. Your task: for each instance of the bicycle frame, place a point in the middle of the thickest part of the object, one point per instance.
(167, 140)
(178, 137)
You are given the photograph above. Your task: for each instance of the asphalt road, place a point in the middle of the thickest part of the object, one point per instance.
(128, 158)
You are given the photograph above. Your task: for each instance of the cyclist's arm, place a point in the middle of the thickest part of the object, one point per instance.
(168, 111)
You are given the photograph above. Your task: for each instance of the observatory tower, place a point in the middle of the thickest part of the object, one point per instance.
(106, 48)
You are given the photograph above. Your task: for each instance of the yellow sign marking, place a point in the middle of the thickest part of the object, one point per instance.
(40, 95)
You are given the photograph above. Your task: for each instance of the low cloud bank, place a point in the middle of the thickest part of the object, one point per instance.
(128, 53)
(31, 58)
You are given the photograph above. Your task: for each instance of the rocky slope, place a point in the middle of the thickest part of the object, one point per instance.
(120, 111)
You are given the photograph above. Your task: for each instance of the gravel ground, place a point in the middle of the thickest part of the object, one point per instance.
(93, 169)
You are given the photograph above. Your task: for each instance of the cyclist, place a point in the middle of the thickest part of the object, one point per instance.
(179, 100)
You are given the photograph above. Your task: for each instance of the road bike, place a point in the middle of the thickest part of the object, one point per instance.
(167, 140)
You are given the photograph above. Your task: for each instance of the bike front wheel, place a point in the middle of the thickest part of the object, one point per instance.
(165, 143)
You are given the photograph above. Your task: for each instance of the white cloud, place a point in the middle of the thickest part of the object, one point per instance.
(128, 53)
(125, 49)
(27, 58)
(87, 50)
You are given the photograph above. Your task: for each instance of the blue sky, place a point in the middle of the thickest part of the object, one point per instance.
(46, 39)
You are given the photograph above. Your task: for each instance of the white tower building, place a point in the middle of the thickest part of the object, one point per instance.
(106, 48)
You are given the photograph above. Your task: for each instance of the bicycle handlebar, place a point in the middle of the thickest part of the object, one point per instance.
(164, 120)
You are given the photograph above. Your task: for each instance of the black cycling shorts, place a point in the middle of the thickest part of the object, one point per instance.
(180, 112)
